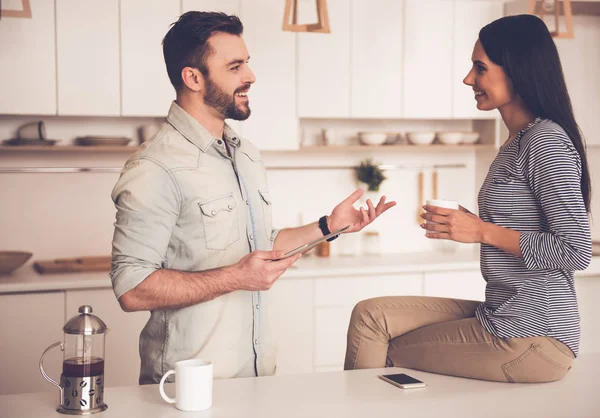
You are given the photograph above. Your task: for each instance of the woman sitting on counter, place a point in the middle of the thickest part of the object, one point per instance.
(533, 229)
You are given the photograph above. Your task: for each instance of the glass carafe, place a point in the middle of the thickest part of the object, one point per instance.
(82, 380)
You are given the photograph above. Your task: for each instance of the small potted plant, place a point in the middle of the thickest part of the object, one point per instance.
(370, 174)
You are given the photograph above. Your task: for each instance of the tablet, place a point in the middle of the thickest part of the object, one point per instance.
(304, 248)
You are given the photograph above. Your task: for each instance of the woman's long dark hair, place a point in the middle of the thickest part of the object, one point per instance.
(523, 46)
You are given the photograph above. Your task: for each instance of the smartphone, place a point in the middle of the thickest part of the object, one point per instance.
(305, 247)
(402, 380)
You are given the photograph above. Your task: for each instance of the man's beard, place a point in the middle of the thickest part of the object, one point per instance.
(223, 103)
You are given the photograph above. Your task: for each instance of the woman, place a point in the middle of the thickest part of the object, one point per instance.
(533, 229)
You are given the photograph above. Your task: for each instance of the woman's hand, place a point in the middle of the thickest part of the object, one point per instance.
(456, 225)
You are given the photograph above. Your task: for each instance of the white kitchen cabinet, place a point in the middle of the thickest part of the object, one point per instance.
(324, 64)
(588, 290)
(122, 359)
(428, 59)
(28, 56)
(377, 70)
(231, 7)
(30, 323)
(334, 300)
(469, 18)
(291, 315)
(273, 124)
(87, 50)
(463, 284)
(146, 89)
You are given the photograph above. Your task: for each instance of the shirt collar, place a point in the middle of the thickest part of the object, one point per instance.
(194, 132)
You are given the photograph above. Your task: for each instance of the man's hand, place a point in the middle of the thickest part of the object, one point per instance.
(345, 213)
(255, 272)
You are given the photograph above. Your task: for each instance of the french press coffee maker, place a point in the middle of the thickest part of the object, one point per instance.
(82, 380)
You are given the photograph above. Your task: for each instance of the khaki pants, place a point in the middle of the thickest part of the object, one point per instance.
(443, 336)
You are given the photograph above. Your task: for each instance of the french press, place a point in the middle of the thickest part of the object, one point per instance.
(82, 380)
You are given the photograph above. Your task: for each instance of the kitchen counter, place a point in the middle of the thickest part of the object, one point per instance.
(26, 279)
(357, 393)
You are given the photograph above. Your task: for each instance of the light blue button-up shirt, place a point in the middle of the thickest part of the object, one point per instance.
(182, 203)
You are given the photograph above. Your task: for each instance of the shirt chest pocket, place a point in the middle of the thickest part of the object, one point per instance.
(220, 222)
(500, 194)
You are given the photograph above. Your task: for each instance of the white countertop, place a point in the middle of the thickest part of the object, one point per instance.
(26, 279)
(351, 394)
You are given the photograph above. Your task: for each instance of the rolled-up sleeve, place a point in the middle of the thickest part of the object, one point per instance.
(553, 171)
(147, 201)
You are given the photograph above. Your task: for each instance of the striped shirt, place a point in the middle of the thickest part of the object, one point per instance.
(533, 186)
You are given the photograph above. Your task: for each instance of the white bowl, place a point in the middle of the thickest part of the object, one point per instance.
(470, 137)
(450, 138)
(420, 138)
(372, 138)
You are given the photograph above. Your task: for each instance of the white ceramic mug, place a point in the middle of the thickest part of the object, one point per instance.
(193, 385)
(443, 245)
(32, 130)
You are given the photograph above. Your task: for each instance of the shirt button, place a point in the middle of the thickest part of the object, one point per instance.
(213, 212)
(229, 207)
(219, 142)
(247, 202)
(255, 342)
(251, 237)
(257, 306)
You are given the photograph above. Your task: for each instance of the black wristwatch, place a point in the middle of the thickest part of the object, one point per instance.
(324, 229)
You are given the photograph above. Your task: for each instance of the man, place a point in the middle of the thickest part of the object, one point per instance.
(193, 226)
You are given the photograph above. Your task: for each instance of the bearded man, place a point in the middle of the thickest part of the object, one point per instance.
(193, 239)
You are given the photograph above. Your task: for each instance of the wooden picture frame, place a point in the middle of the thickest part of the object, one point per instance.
(291, 10)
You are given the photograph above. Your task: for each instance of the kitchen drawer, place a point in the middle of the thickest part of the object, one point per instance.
(347, 291)
(331, 328)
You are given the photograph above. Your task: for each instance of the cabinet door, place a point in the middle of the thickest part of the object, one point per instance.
(87, 44)
(30, 323)
(231, 7)
(469, 18)
(464, 284)
(122, 359)
(334, 300)
(291, 316)
(428, 59)
(377, 43)
(588, 290)
(146, 89)
(28, 70)
(273, 124)
(324, 63)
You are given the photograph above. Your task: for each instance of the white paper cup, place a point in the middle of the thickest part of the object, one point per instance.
(443, 245)
(448, 204)
(193, 385)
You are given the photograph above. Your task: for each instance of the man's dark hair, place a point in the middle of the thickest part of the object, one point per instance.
(186, 43)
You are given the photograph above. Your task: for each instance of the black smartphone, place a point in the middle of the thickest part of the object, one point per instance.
(402, 380)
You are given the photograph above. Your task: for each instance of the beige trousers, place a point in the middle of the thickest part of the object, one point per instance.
(443, 336)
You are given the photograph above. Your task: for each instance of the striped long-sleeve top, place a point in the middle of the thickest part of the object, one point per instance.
(533, 186)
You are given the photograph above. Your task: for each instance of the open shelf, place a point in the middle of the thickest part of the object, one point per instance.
(68, 148)
(432, 147)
